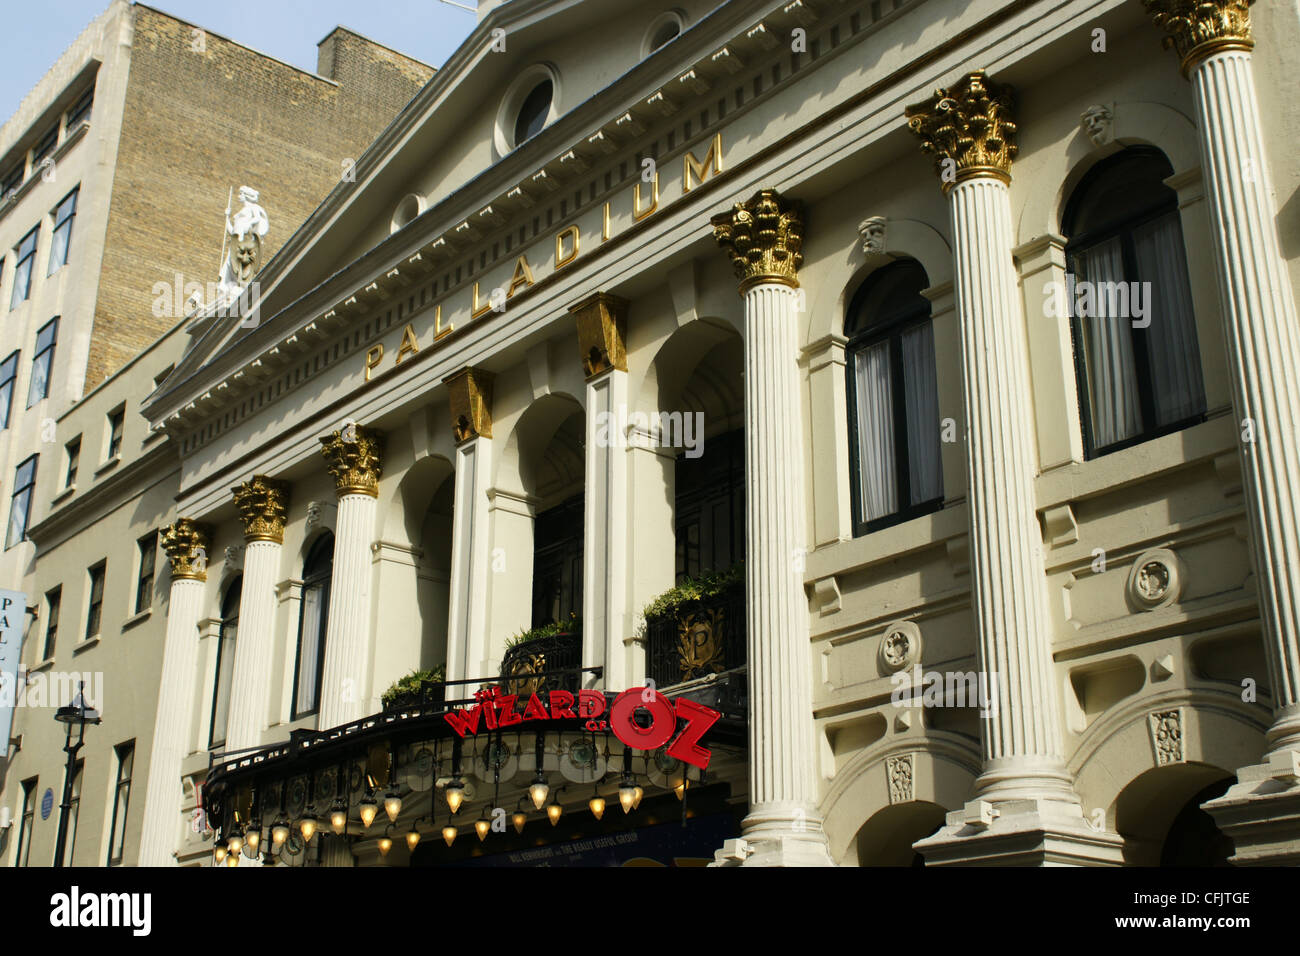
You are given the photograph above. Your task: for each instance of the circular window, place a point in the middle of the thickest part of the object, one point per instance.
(532, 115)
(530, 104)
(663, 30)
(407, 210)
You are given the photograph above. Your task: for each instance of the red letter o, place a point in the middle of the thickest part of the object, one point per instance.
(663, 719)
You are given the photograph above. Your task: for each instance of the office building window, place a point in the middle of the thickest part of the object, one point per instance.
(8, 373)
(225, 664)
(53, 602)
(11, 180)
(95, 607)
(45, 146)
(62, 236)
(73, 452)
(314, 610)
(116, 421)
(1137, 360)
(121, 801)
(80, 110)
(42, 362)
(26, 255)
(29, 818)
(20, 505)
(74, 810)
(893, 399)
(144, 584)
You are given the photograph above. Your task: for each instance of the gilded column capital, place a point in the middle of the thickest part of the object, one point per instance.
(764, 237)
(469, 393)
(186, 543)
(602, 332)
(1199, 28)
(969, 128)
(354, 457)
(263, 505)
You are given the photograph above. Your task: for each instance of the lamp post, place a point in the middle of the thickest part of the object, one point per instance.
(80, 714)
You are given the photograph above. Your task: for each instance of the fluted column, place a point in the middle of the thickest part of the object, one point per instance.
(602, 327)
(354, 457)
(186, 544)
(1214, 42)
(470, 397)
(263, 506)
(970, 130)
(764, 237)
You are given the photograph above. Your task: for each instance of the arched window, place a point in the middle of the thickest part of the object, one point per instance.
(225, 664)
(1137, 361)
(532, 114)
(312, 616)
(893, 399)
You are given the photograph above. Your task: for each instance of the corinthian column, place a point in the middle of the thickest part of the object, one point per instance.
(263, 505)
(470, 397)
(354, 458)
(1025, 794)
(186, 544)
(764, 237)
(602, 326)
(1213, 40)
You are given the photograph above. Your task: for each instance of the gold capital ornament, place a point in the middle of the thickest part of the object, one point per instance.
(469, 393)
(764, 238)
(186, 543)
(263, 505)
(354, 457)
(969, 129)
(1199, 28)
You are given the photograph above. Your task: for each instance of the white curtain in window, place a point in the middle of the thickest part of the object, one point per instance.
(309, 647)
(1171, 336)
(225, 677)
(877, 475)
(1108, 350)
(922, 396)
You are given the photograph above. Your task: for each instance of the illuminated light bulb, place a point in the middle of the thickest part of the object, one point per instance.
(413, 839)
(232, 859)
(554, 810)
(449, 834)
(385, 844)
(627, 796)
(539, 790)
(338, 820)
(519, 818)
(369, 810)
(392, 805)
(309, 825)
(597, 805)
(481, 827)
(681, 789)
(639, 794)
(455, 795)
(235, 843)
(219, 854)
(279, 833)
(254, 839)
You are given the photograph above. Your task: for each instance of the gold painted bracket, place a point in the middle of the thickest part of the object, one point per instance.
(469, 394)
(602, 333)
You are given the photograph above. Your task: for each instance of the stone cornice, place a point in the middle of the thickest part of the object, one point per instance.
(1201, 28)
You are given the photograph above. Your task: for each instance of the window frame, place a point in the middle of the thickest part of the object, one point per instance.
(1122, 229)
(61, 223)
(147, 568)
(116, 432)
(45, 353)
(72, 461)
(95, 608)
(116, 837)
(868, 335)
(11, 384)
(81, 109)
(53, 608)
(322, 578)
(27, 259)
(29, 488)
(28, 822)
(229, 620)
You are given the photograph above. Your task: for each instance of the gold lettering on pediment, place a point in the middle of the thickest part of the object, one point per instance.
(562, 258)
(477, 310)
(374, 355)
(637, 212)
(523, 276)
(438, 330)
(409, 346)
(712, 163)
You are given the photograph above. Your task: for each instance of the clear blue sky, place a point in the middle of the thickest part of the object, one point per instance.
(36, 34)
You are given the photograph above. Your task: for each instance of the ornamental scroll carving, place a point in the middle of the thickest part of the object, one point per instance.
(969, 128)
(354, 457)
(764, 238)
(186, 543)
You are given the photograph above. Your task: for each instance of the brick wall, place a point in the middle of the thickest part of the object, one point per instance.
(197, 123)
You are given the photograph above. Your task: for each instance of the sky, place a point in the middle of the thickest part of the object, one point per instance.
(38, 33)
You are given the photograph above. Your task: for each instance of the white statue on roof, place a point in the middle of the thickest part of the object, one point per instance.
(244, 234)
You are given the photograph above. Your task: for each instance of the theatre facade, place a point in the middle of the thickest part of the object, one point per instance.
(813, 432)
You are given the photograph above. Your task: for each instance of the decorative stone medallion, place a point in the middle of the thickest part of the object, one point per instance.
(1166, 736)
(900, 646)
(1156, 579)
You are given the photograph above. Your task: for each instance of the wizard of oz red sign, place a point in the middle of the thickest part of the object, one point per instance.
(496, 710)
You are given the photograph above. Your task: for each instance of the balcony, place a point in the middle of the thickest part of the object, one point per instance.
(698, 636)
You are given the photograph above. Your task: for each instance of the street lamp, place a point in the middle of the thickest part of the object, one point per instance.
(79, 713)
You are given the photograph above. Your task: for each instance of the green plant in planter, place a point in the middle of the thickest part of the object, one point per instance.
(411, 682)
(572, 626)
(707, 585)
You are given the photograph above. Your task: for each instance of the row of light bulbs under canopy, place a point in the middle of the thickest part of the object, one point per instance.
(629, 798)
